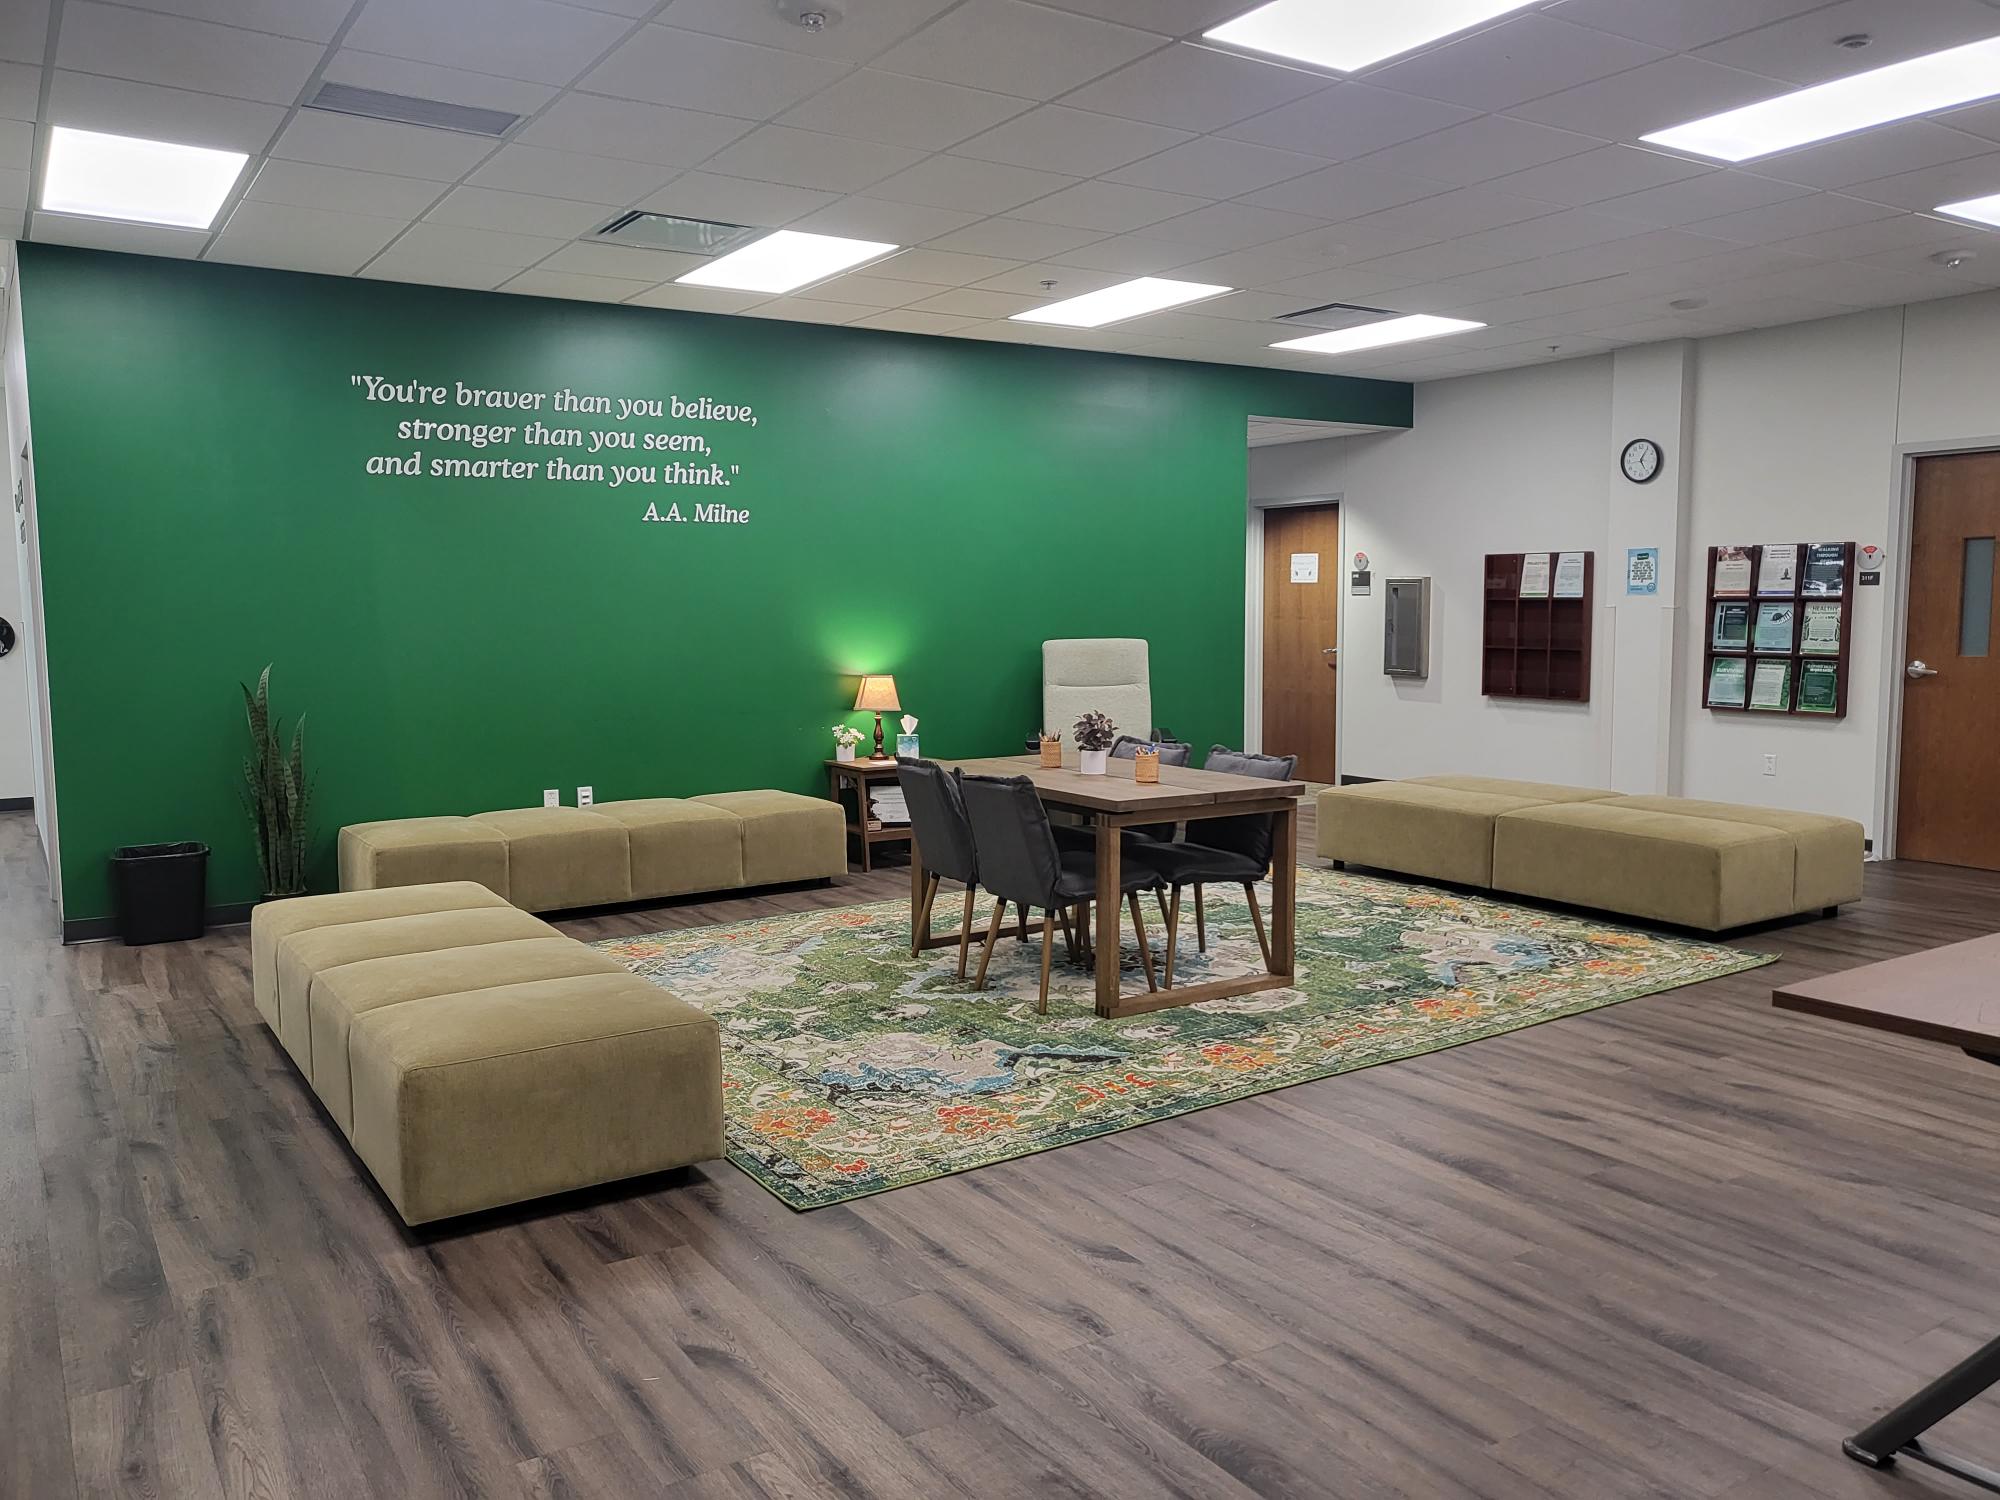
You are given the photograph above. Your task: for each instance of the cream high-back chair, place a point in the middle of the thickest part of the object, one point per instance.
(1108, 675)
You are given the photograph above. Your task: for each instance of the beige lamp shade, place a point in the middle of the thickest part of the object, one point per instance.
(877, 695)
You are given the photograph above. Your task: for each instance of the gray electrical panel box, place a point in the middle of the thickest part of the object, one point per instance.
(1406, 627)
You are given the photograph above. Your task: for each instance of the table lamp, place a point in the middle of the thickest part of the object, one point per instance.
(877, 696)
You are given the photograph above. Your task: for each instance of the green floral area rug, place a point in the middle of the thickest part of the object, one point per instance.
(850, 1067)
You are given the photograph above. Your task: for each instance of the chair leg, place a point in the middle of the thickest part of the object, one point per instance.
(964, 933)
(1068, 932)
(1200, 923)
(1257, 916)
(1021, 936)
(923, 914)
(1160, 900)
(1083, 931)
(1145, 948)
(1173, 933)
(992, 932)
(1048, 942)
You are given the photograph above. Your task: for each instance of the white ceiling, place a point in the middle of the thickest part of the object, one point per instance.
(1010, 143)
(1269, 432)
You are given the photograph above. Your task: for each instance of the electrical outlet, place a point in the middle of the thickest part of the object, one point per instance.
(583, 798)
(1770, 765)
(551, 798)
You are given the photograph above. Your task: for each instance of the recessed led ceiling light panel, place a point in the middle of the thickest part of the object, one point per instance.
(1378, 335)
(1979, 210)
(785, 261)
(141, 181)
(1348, 34)
(1943, 80)
(1114, 304)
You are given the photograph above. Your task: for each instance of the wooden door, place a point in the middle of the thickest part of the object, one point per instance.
(1948, 809)
(1301, 634)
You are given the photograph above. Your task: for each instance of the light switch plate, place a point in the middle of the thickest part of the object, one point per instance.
(551, 798)
(583, 798)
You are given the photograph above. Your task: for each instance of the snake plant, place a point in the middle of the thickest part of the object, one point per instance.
(276, 793)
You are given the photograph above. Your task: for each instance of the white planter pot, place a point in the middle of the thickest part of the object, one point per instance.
(843, 752)
(1093, 761)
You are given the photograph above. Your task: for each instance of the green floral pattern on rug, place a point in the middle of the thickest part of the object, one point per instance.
(850, 1067)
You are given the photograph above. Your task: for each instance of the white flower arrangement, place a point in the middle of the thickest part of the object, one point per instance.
(846, 735)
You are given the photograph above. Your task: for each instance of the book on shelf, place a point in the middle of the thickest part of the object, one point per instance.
(1778, 569)
(1732, 572)
(1535, 575)
(1777, 624)
(1731, 627)
(1819, 687)
(1822, 634)
(1726, 682)
(1771, 687)
(1826, 569)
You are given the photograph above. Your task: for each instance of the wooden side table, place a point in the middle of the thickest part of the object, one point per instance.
(857, 777)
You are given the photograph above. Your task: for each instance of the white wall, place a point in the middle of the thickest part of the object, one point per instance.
(17, 737)
(1789, 434)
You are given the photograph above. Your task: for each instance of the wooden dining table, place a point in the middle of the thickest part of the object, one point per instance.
(1116, 801)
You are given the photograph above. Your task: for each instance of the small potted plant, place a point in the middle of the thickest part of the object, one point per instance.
(845, 738)
(1051, 750)
(1094, 735)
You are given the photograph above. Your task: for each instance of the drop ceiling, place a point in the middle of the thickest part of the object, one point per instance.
(1493, 176)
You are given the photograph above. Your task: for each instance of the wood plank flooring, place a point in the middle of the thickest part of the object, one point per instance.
(1674, 1248)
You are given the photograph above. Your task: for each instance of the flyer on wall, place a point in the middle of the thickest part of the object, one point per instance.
(1732, 627)
(1725, 682)
(1778, 571)
(1771, 686)
(1535, 575)
(1822, 632)
(1569, 575)
(1819, 688)
(1732, 571)
(1775, 626)
(1826, 569)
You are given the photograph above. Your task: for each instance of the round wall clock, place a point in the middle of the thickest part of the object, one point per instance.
(1641, 460)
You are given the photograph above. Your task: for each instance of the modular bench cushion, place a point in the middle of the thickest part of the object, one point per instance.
(1709, 865)
(562, 858)
(473, 1055)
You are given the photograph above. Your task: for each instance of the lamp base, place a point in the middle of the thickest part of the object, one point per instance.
(878, 738)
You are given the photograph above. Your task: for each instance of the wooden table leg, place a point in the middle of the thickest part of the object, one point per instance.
(920, 912)
(1109, 840)
(1285, 893)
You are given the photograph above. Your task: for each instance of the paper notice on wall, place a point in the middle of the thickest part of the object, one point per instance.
(1535, 575)
(1305, 567)
(1569, 575)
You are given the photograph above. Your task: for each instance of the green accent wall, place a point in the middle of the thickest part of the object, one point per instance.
(930, 507)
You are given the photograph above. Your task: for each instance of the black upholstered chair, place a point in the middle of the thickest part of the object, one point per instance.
(1126, 747)
(1234, 851)
(1019, 862)
(937, 821)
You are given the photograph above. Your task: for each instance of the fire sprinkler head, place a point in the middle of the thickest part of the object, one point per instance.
(812, 15)
(1951, 260)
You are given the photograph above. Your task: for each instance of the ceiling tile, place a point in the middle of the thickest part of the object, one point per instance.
(1683, 25)
(1447, 216)
(485, 246)
(301, 239)
(314, 20)
(1982, 120)
(808, 158)
(1928, 187)
(518, 213)
(706, 299)
(948, 268)
(1788, 220)
(397, 264)
(1056, 138)
(1904, 147)
(123, 107)
(1352, 120)
(861, 32)
(379, 146)
(342, 190)
(689, 70)
(1264, 265)
(1801, 48)
(734, 200)
(1230, 226)
(1131, 255)
(1015, 239)
(1345, 192)
(1108, 206)
(1649, 98)
(575, 285)
(20, 91)
(972, 302)
(982, 187)
(532, 39)
(1900, 232)
(1608, 172)
(910, 320)
(1553, 234)
(178, 53)
(1016, 48)
(570, 174)
(865, 290)
(805, 310)
(1192, 88)
(903, 110)
(133, 239)
(1480, 151)
(24, 30)
(1212, 167)
(872, 218)
(632, 131)
(1705, 196)
(629, 264)
(13, 195)
(424, 80)
(1514, 62)
(1062, 281)
(1175, 17)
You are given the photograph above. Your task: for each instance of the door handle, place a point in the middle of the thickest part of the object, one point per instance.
(1917, 669)
(1332, 655)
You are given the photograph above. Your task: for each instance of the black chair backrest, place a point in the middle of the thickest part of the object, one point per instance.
(1010, 829)
(1252, 835)
(1172, 752)
(937, 819)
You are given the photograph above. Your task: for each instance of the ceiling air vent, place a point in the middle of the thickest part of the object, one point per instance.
(1337, 316)
(666, 232)
(407, 109)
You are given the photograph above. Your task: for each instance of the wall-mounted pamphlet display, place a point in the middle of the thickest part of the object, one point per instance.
(1537, 624)
(1778, 628)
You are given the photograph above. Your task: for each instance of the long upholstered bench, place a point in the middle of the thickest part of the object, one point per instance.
(1678, 860)
(474, 1056)
(563, 858)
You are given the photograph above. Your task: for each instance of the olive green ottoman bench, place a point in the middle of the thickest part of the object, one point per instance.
(1677, 860)
(565, 858)
(473, 1055)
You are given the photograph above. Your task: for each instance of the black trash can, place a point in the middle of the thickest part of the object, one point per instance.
(160, 892)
